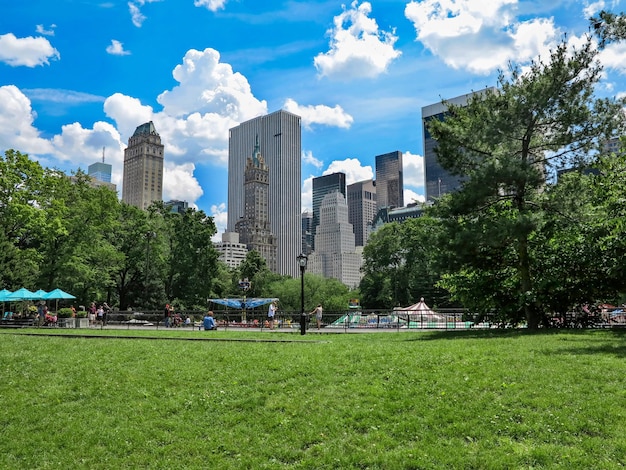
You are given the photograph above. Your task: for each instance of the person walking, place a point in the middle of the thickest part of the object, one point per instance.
(271, 311)
(318, 315)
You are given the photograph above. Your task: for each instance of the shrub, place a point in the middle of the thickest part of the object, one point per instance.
(65, 313)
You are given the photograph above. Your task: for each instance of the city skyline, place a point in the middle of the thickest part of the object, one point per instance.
(77, 77)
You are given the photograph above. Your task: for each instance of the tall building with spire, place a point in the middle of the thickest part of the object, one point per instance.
(100, 171)
(143, 167)
(254, 227)
(280, 142)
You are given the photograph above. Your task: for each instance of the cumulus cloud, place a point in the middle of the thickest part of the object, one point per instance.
(179, 182)
(319, 114)
(411, 197)
(413, 172)
(357, 47)
(212, 5)
(16, 123)
(116, 48)
(353, 169)
(480, 36)
(29, 52)
(220, 218)
(46, 32)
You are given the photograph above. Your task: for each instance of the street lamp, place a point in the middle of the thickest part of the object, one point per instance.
(302, 260)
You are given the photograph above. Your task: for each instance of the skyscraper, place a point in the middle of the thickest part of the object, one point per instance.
(143, 167)
(307, 232)
(361, 209)
(437, 180)
(323, 185)
(100, 171)
(389, 180)
(335, 254)
(254, 227)
(280, 142)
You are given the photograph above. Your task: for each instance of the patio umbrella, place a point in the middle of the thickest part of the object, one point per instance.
(57, 294)
(40, 294)
(21, 294)
(3, 298)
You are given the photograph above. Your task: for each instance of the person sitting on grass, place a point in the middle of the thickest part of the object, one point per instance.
(209, 322)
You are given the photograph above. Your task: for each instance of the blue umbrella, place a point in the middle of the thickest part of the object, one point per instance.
(58, 294)
(3, 295)
(21, 294)
(40, 294)
(243, 304)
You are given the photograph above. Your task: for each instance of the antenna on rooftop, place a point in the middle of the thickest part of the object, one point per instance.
(102, 154)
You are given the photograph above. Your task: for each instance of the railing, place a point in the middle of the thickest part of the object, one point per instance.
(333, 321)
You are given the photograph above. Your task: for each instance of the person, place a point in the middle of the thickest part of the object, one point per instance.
(92, 314)
(270, 315)
(107, 310)
(100, 316)
(209, 322)
(318, 315)
(166, 315)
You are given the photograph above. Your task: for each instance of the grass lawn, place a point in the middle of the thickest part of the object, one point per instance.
(412, 400)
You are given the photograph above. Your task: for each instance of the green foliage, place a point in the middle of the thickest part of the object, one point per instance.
(65, 313)
(504, 143)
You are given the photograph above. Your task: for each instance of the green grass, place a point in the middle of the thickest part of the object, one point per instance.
(468, 400)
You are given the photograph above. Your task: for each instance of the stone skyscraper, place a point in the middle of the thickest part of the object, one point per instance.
(143, 167)
(254, 227)
(323, 185)
(389, 180)
(280, 142)
(335, 254)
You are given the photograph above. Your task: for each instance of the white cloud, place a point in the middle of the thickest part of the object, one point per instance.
(28, 52)
(480, 36)
(319, 114)
(306, 200)
(614, 56)
(134, 6)
(46, 32)
(16, 123)
(308, 158)
(116, 48)
(411, 196)
(220, 217)
(179, 182)
(359, 50)
(353, 169)
(212, 5)
(413, 172)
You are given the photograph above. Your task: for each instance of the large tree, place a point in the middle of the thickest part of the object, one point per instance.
(505, 143)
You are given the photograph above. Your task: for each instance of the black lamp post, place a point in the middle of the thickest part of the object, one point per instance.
(302, 260)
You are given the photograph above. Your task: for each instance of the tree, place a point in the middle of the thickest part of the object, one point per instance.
(504, 143)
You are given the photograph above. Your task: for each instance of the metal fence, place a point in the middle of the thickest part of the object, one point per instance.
(362, 320)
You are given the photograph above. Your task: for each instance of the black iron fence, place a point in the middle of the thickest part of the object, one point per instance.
(361, 320)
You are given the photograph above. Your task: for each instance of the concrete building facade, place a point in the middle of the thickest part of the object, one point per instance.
(143, 167)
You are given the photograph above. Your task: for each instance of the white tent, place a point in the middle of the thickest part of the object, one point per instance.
(420, 312)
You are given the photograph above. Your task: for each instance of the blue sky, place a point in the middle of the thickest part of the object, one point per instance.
(80, 75)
